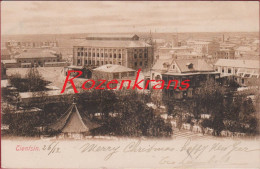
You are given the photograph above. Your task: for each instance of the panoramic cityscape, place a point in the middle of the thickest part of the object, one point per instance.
(166, 80)
(221, 71)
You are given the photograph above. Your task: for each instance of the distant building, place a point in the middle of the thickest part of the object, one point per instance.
(242, 50)
(206, 48)
(125, 50)
(224, 54)
(30, 44)
(241, 70)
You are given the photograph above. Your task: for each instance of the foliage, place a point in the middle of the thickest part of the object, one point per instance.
(32, 82)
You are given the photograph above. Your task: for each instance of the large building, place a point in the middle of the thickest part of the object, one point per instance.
(125, 50)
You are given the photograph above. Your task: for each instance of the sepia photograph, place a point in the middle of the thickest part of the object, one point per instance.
(130, 84)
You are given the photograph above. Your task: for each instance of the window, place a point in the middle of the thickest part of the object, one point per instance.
(106, 62)
(81, 53)
(116, 75)
(102, 62)
(102, 55)
(131, 73)
(145, 55)
(140, 55)
(223, 70)
(243, 81)
(124, 74)
(110, 55)
(135, 55)
(86, 62)
(173, 66)
(86, 54)
(141, 63)
(119, 55)
(78, 53)
(97, 54)
(93, 54)
(229, 70)
(110, 62)
(97, 62)
(90, 62)
(78, 61)
(135, 63)
(114, 55)
(106, 55)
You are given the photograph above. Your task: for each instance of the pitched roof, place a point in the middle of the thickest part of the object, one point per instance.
(111, 35)
(199, 65)
(159, 64)
(114, 43)
(251, 64)
(72, 122)
(113, 68)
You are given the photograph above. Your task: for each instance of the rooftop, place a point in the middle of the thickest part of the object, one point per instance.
(113, 68)
(251, 64)
(72, 122)
(113, 43)
(199, 65)
(37, 53)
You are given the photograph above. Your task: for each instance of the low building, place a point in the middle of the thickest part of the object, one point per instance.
(242, 70)
(38, 57)
(114, 72)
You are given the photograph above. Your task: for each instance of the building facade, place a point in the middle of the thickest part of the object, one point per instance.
(126, 50)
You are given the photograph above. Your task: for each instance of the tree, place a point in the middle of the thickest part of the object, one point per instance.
(32, 81)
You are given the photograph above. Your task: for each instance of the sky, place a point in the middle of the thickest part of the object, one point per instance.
(52, 17)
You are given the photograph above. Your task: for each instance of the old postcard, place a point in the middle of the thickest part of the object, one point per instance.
(130, 84)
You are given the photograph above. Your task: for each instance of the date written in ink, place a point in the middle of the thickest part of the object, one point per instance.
(52, 148)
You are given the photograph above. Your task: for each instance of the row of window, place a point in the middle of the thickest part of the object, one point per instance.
(109, 50)
(141, 63)
(140, 55)
(89, 62)
(101, 50)
(101, 55)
